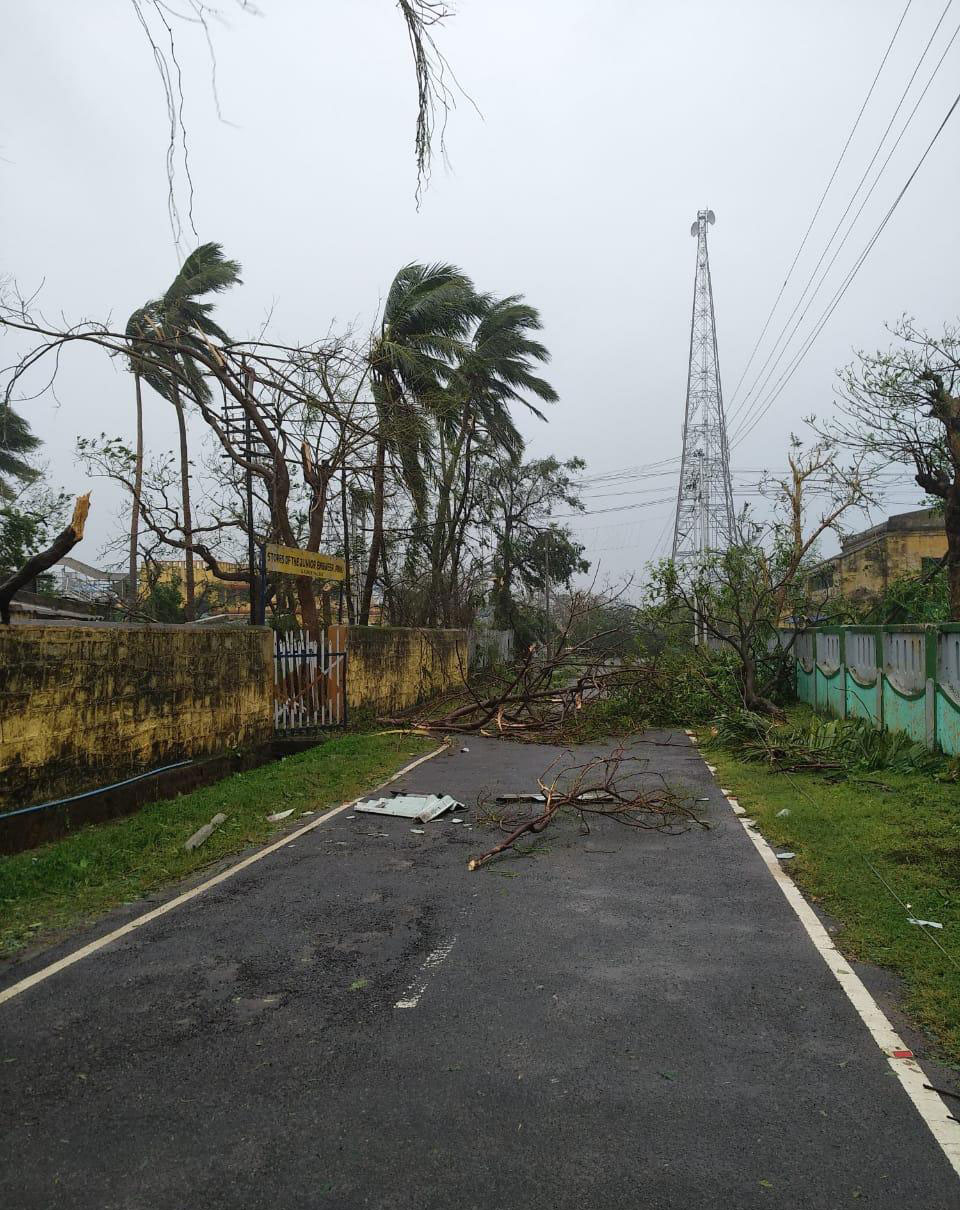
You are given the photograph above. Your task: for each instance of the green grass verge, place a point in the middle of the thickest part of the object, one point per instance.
(909, 832)
(70, 880)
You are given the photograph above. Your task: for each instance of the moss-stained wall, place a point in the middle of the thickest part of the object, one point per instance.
(82, 706)
(390, 668)
(866, 572)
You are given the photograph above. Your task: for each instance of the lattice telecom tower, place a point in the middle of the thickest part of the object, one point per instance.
(705, 516)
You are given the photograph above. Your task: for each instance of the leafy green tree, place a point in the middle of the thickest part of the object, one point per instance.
(903, 406)
(531, 551)
(27, 526)
(16, 443)
(164, 600)
(426, 319)
(736, 601)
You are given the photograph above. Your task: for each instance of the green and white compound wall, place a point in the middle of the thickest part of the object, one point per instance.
(904, 678)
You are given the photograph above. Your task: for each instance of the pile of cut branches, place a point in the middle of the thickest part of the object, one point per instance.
(606, 786)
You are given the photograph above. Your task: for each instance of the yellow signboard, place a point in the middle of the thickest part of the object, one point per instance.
(292, 562)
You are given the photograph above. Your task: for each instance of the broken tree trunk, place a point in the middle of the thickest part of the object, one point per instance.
(61, 545)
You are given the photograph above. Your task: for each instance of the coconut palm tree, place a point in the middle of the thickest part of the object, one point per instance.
(495, 370)
(139, 326)
(428, 313)
(179, 317)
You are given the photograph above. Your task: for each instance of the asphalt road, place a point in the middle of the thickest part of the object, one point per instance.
(627, 1020)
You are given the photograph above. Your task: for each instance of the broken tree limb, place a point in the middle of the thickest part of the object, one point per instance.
(604, 785)
(64, 542)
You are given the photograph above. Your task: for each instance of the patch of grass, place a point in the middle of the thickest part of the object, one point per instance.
(910, 833)
(60, 884)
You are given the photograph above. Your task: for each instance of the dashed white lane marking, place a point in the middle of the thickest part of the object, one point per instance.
(413, 993)
(907, 1070)
(85, 951)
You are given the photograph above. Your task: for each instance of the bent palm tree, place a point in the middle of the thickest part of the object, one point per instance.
(496, 370)
(180, 318)
(427, 314)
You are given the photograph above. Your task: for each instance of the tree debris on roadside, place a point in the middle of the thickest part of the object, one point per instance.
(543, 692)
(605, 785)
(835, 748)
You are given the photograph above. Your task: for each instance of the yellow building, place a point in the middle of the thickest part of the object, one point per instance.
(868, 562)
(225, 596)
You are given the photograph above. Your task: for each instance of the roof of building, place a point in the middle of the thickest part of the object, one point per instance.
(920, 520)
(94, 573)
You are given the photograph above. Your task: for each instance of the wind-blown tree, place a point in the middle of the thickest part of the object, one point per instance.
(737, 600)
(531, 550)
(139, 327)
(426, 318)
(494, 371)
(16, 442)
(903, 406)
(182, 319)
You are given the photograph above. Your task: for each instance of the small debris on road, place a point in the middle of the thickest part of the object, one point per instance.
(418, 831)
(204, 833)
(464, 749)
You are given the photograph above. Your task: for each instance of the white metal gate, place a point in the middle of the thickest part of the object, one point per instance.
(310, 682)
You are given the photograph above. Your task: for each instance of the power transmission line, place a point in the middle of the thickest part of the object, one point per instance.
(758, 385)
(823, 198)
(834, 302)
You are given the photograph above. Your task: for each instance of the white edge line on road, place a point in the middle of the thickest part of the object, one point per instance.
(907, 1070)
(85, 951)
(412, 997)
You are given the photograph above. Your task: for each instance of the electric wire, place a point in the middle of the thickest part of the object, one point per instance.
(759, 383)
(823, 198)
(841, 291)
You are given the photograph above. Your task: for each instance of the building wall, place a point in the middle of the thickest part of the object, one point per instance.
(390, 668)
(84, 706)
(863, 572)
(226, 596)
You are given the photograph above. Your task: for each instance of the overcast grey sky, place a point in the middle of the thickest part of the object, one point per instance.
(605, 127)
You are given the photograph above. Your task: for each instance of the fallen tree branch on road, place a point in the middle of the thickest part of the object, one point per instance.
(604, 785)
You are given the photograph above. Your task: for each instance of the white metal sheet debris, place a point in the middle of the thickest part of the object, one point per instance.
(930, 924)
(421, 807)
